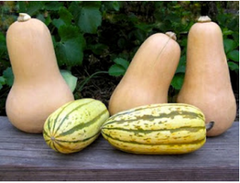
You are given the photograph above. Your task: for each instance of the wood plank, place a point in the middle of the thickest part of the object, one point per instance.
(27, 157)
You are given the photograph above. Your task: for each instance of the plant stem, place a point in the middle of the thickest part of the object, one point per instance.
(90, 77)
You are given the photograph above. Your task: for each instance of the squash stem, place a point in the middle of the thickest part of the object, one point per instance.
(209, 125)
(171, 35)
(204, 19)
(23, 17)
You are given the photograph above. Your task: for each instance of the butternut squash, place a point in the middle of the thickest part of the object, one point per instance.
(38, 88)
(207, 82)
(149, 74)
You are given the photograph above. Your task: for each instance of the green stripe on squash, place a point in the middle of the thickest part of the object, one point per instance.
(155, 144)
(145, 129)
(75, 125)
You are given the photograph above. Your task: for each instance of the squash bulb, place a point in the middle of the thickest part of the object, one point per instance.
(149, 74)
(38, 88)
(207, 82)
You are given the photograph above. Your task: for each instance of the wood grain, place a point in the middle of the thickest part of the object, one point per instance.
(27, 157)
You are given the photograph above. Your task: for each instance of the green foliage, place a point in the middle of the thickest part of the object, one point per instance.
(119, 68)
(7, 78)
(230, 27)
(70, 79)
(69, 49)
(3, 47)
(232, 53)
(178, 78)
(86, 80)
(103, 36)
(89, 19)
(68, 22)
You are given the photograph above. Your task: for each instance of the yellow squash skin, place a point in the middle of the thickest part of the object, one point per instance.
(38, 88)
(75, 125)
(157, 129)
(207, 82)
(149, 74)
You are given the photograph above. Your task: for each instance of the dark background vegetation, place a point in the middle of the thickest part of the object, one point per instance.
(95, 41)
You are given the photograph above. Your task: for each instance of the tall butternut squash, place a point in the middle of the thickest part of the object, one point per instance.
(207, 82)
(38, 88)
(149, 74)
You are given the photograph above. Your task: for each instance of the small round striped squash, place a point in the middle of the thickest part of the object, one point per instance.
(172, 128)
(75, 125)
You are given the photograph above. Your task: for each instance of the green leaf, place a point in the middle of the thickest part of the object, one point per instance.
(70, 79)
(68, 32)
(116, 70)
(182, 65)
(235, 36)
(89, 19)
(227, 32)
(234, 24)
(222, 18)
(144, 27)
(75, 9)
(30, 7)
(112, 5)
(233, 55)
(95, 4)
(181, 69)
(69, 50)
(65, 15)
(229, 45)
(177, 81)
(2, 37)
(98, 49)
(3, 47)
(53, 5)
(65, 18)
(122, 43)
(47, 20)
(9, 77)
(139, 35)
(173, 17)
(22, 5)
(58, 23)
(2, 80)
(233, 66)
(115, 5)
(121, 62)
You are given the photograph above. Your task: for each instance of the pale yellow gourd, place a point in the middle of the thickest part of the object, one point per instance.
(38, 88)
(149, 74)
(207, 82)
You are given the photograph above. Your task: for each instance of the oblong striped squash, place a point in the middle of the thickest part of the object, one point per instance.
(172, 128)
(75, 125)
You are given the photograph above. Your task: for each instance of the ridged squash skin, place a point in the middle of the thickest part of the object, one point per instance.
(75, 125)
(157, 129)
(207, 82)
(38, 88)
(149, 74)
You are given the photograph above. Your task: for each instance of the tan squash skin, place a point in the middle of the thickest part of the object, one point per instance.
(149, 74)
(38, 89)
(207, 82)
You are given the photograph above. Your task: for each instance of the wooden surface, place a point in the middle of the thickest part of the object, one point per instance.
(26, 157)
